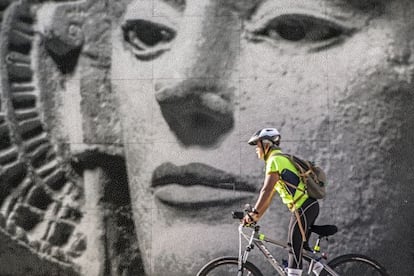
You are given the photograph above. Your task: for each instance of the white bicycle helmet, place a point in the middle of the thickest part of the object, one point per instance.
(269, 134)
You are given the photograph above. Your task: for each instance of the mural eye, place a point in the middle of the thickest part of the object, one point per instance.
(147, 39)
(302, 28)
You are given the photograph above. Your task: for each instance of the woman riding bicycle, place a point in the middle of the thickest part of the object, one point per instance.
(283, 177)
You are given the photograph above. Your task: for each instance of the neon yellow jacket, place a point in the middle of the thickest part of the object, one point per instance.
(277, 163)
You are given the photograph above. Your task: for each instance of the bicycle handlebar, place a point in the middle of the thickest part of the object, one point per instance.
(247, 209)
(240, 214)
(237, 214)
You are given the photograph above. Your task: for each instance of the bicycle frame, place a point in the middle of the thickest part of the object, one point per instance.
(258, 240)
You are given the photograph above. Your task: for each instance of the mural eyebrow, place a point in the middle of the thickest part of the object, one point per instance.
(177, 4)
(364, 6)
(240, 5)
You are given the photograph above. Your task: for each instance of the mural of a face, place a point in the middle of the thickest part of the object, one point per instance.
(192, 81)
(196, 78)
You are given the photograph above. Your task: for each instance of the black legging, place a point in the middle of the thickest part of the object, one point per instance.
(308, 213)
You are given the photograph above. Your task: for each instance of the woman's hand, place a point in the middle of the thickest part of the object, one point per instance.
(250, 218)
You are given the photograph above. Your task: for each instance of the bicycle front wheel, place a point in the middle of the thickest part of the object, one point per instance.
(355, 265)
(226, 266)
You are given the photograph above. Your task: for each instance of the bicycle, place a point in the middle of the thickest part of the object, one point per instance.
(344, 265)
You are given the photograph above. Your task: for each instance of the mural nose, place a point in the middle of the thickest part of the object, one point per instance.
(197, 114)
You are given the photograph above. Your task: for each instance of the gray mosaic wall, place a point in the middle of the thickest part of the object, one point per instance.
(123, 128)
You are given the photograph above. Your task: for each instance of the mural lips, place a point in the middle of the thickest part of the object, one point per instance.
(200, 185)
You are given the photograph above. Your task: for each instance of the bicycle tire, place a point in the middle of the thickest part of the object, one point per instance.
(355, 265)
(225, 266)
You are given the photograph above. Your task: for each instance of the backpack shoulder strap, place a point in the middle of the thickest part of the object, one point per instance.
(290, 157)
(297, 162)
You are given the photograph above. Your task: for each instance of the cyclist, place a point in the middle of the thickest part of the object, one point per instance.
(279, 171)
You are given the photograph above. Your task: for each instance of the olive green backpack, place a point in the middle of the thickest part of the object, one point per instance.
(312, 176)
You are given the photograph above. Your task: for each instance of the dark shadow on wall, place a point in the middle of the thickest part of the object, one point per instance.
(121, 244)
(66, 63)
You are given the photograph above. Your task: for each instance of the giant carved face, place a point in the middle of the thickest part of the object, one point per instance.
(173, 90)
(195, 79)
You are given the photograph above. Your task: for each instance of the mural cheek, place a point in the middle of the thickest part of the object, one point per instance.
(370, 111)
(299, 108)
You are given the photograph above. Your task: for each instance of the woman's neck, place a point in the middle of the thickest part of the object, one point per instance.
(269, 152)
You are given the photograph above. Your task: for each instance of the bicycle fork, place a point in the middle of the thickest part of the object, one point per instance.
(243, 257)
(252, 242)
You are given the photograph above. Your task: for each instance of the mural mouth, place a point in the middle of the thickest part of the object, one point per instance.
(198, 185)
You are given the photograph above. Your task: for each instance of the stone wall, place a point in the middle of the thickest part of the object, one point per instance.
(117, 118)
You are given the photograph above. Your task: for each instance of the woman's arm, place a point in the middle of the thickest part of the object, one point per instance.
(265, 197)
